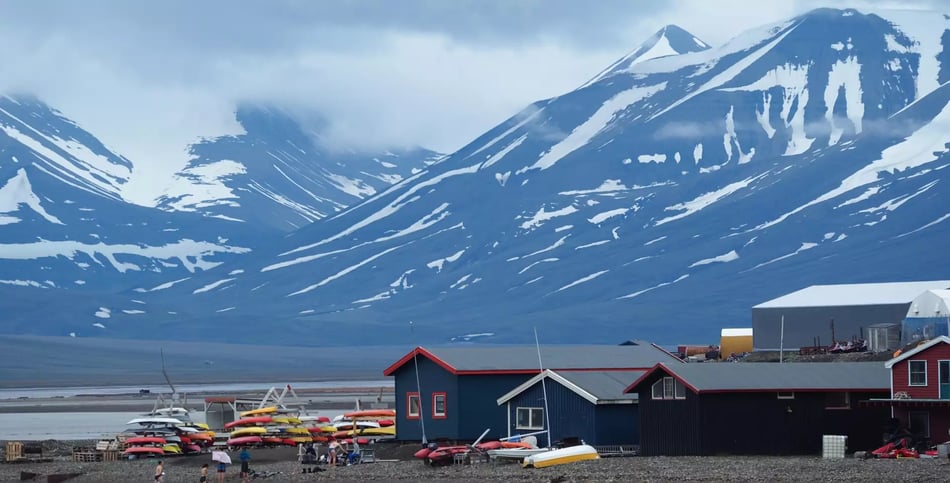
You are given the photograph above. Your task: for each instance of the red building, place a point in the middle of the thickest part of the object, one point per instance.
(920, 389)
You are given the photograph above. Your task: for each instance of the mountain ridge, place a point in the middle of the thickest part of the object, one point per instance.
(663, 201)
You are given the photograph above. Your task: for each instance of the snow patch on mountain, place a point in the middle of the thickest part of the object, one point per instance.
(695, 205)
(189, 253)
(541, 216)
(725, 257)
(921, 147)
(437, 264)
(581, 280)
(594, 125)
(18, 191)
(846, 75)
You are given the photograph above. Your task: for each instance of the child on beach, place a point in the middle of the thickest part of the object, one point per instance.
(159, 472)
(204, 473)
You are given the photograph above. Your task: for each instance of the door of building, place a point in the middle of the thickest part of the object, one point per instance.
(944, 378)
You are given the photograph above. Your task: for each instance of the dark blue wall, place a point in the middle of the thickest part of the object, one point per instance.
(753, 423)
(479, 395)
(574, 416)
(432, 378)
(471, 402)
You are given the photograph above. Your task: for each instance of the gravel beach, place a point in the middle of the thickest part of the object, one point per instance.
(281, 465)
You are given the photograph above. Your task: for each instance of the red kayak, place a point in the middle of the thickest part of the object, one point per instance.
(489, 445)
(371, 414)
(244, 440)
(444, 456)
(272, 440)
(248, 421)
(385, 423)
(422, 453)
(144, 450)
(145, 440)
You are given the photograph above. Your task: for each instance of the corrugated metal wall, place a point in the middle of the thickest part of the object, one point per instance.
(803, 324)
(753, 423)
(671, 428)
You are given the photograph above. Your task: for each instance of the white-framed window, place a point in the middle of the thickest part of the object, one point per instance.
(413, 410)
(838, 400)
(529, 418)
(917, 373)
(438, 405)
(668, 388)
(785, 395)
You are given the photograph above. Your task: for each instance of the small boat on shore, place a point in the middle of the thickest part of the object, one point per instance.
(561, 456)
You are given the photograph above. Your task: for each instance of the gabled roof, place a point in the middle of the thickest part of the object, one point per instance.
(917, 350)
(712, 377)
(598, 387)
(524, 359)
(854, 294)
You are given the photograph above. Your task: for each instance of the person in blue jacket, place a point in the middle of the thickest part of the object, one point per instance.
(245, 458)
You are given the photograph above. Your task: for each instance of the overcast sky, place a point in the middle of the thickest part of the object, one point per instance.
(148, 78)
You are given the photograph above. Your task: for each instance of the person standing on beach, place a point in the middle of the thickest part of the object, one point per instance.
(222, 470)
(331, 458)
(160, 472)
(204, 473)
(245, 458)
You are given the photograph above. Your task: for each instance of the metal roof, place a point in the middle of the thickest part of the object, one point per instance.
(765, 376)
(854, 294)
(917, 350)
(604, 385)
(598, 387)
(501, 359)
(743, 332)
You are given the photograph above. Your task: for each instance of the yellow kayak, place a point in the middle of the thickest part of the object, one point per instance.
(388, 431)
(171, 449)
(254, 412)
(285, 420)
(248, 431)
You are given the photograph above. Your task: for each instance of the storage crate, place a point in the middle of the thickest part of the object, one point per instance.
(834, 446)
(14, 451)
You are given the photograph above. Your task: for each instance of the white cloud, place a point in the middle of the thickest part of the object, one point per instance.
(149, 80)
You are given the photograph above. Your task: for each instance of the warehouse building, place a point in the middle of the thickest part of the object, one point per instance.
(821, 314)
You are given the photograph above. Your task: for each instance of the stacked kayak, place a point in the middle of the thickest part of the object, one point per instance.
(156, 436)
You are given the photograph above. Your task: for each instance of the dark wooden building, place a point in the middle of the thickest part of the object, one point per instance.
(759, 408)
(920, 389)
(452, 392)
(809, 312)
(589, 406)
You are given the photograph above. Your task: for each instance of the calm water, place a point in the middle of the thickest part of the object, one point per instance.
(223, 388)
(93, 425)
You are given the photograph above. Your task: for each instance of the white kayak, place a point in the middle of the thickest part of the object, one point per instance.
(561, 456)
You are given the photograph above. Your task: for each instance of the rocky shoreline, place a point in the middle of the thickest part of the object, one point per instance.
(280, 465)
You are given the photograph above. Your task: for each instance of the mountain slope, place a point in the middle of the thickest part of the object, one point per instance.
(660, 201)
(70, 242)
(669, 40)
(279, 175)
(684, 190)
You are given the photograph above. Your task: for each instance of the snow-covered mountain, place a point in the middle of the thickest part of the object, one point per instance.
(659, 201)
(70, 239)
(668, 41)
(277, 174)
